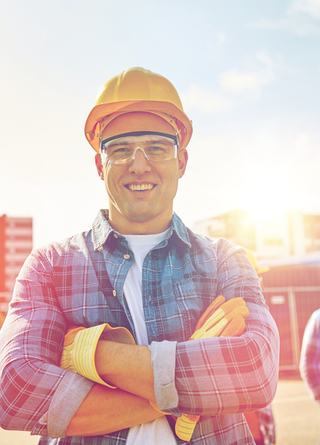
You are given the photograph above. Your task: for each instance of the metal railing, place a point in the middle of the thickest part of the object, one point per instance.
(291, 292)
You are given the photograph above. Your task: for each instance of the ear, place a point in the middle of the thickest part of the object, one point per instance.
(99, 165)
(183, 160)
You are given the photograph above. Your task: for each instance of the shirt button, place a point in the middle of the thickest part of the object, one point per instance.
(149, 297)
(115, 235)
(126, 256)
(114, 293)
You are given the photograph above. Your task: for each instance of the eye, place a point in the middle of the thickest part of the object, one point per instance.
(157, 148)
(121, 150)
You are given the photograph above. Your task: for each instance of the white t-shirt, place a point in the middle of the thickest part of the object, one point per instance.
(159, 431)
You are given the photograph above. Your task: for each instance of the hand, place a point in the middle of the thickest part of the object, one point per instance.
(216, 319)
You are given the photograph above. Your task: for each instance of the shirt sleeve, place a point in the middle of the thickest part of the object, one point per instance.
(310, 355)
(216, 376)
(36, 395)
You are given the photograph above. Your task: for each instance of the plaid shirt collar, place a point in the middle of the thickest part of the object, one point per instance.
(101, 230)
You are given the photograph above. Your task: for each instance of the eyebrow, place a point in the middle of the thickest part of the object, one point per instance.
(115, 143)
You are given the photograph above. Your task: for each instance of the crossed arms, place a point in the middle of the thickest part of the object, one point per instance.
(31, 347)
(226, 319)
(106, 410)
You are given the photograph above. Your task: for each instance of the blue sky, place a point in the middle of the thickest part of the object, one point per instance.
(247, 72)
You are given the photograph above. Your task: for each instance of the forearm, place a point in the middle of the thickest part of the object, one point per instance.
(30, 344)
(127, 367)
(106, 410)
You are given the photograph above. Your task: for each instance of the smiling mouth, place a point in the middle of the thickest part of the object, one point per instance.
(140, 187)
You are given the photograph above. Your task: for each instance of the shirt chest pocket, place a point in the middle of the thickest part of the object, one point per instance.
(90, 307)
(193, 296)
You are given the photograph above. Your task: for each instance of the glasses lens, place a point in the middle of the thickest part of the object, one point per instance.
(160, 150)
(155, 148)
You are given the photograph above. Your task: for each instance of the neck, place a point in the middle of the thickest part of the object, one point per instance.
(132, 227)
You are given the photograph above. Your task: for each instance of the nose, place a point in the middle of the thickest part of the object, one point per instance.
(139, 163)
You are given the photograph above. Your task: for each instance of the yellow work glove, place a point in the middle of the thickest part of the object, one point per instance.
(2, 318)
(219, 320)
(216, 319)
(80, 344)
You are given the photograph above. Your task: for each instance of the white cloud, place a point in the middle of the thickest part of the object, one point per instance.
(207, 101)
(265, 23)
(300, 17)
(259, 72)
(310, 7)
(235, 81)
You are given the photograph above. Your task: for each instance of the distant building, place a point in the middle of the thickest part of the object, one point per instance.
(15, 246)
(293, 238)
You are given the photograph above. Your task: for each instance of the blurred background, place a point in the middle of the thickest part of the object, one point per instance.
(248, 76)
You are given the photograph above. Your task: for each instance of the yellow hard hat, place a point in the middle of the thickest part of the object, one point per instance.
(137, 89)
(254, 262)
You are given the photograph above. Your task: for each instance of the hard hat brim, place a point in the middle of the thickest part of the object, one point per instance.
(100, 111)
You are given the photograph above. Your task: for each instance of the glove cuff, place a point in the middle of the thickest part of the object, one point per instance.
(83, 354)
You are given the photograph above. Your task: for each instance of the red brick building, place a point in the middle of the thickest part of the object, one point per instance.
(15, 246)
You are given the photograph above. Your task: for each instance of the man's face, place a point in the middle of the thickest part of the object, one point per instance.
(141, 192)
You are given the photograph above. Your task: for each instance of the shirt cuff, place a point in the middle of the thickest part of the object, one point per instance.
(163, 359)
(68, 397)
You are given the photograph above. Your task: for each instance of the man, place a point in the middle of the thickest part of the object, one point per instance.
(141, 269)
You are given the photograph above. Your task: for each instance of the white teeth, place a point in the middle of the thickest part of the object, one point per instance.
(140, 186)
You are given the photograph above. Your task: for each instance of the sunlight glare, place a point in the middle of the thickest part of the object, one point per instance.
(267, 197)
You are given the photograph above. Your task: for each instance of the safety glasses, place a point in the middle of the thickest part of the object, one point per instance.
(156, 147)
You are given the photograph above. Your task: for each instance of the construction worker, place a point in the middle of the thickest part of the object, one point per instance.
(95, 348)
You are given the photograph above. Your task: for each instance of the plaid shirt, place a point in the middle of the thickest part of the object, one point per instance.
(80, 281)
(310, 355)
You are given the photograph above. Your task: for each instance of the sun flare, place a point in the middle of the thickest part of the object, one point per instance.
(268, 199)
